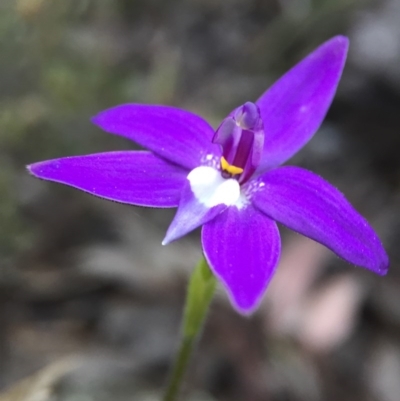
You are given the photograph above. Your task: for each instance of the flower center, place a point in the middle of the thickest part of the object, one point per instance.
(241, 136)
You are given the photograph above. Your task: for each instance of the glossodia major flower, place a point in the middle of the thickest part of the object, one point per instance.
(230, 181)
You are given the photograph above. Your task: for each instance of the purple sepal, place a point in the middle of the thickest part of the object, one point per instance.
(293, 108)
(134, 177)
(190, 215)
(242, 247)
(177, 135)
(306, 203)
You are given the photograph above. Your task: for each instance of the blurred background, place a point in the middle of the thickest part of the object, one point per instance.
(90, 302)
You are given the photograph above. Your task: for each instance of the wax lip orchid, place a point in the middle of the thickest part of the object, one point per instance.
(230, 181)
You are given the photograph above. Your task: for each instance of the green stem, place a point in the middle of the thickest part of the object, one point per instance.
(179, 369)
(200, 292)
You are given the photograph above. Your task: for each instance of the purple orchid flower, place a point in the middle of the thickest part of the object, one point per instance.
(230, 181)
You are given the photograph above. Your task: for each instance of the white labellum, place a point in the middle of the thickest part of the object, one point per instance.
(211, 189)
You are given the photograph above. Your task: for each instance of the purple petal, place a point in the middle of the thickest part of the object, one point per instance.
(242, 247)
(294, 107)
(177, 135)
(311, 206)
(134, 177)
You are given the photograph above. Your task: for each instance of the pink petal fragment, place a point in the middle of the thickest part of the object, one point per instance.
(295, 106)
(133, 177)
(177, 135)
(301, 263)
(242, 247)
(306, 203)
(331, 314)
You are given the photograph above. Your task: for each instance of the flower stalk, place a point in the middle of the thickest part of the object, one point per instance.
(200, 293)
